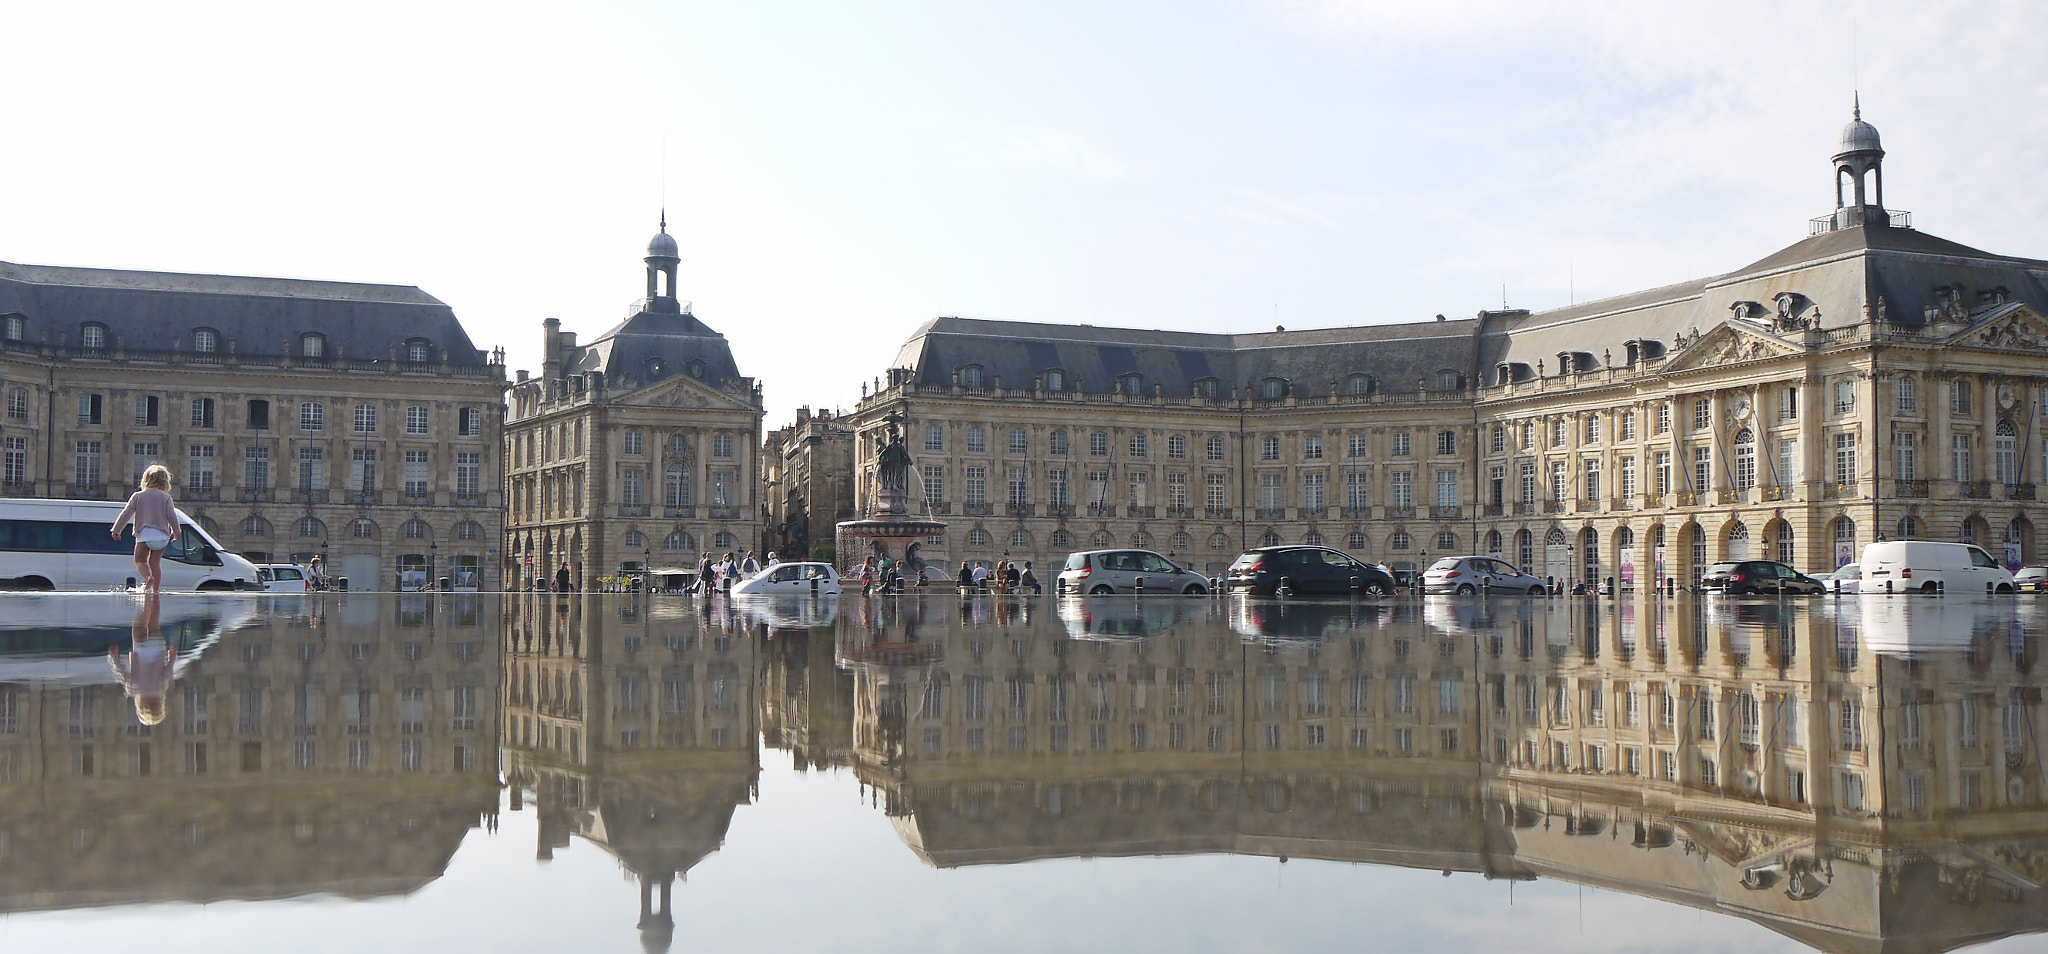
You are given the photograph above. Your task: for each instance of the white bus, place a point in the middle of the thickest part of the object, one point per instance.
(64, 545)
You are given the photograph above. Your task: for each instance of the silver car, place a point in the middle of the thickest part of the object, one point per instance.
(1467, 575)
(1102, 572)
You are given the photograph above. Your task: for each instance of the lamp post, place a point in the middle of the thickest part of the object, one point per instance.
(324, 562)
(433, 563)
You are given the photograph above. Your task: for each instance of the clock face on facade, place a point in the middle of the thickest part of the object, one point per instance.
(2006, 397)
(1742, 408)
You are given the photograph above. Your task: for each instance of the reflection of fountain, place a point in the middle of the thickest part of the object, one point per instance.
(889, 530)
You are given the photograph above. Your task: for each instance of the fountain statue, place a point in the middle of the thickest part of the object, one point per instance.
(889, 530)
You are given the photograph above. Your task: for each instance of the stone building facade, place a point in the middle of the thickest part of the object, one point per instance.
(808, 486)
(641, 446)
(1868, 382)
(300, 417)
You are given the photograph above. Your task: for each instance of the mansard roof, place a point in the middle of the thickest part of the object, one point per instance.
(156, 311)
(634, 349)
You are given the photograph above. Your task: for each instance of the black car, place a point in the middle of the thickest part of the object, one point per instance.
(1308, 570)
(1757, 576)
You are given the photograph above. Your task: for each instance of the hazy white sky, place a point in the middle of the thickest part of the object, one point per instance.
(838, 173)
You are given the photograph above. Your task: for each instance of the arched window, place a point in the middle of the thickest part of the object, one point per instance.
(678, 541)
(676, 486)
(1525, 549)
(1968, 534)
(1785, 545)
(1141, 540)
(1398, 541)
(1101, 540)
(1273, 389)
(418, 351)
(1589, 548)
(695, 369)
(205, 341)
(255, 526)
(1624, 538)
(970, 376)
(1697, 543)
(468, 530)
(723, 540)
(1055, 380)
(1446, 541)
(1181, 541)
(1020, 539)
(313, 346)
(1555, 538)
(1909, 528)
(1131, 384)
(634, 541)
(1271, 539)
(2006, 452)
(1356, 541)
(1745, 460)
(312, 527)
(362, 529)
(1219, 541)
(1060, 539)
(92, 337)
(417, 529)
(1312, 538)
(1493, 542)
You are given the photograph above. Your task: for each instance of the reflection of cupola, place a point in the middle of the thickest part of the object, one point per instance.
(662, 260)
(1859, 158)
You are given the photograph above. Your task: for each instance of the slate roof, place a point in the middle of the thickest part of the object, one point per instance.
(630, 349)
(1835, 273)
(158, 311)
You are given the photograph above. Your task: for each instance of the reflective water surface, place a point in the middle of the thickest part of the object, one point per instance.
(335, 772)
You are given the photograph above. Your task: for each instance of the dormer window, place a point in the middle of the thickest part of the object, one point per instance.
(970, 376)
(696, 369)
(1447, 380)
(313, 346)
(92, 337)
(16, 328)
(205, 341)
(1273, 389)
(655, 369)
(419, 351)
(1502, 374)
(1360, 385)
(1055, 380)
(1208, 387)
(1131, 384)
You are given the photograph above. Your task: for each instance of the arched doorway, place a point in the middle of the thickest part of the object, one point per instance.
(2019, 542)
(1625, 556)
(1779, 543)
(1844, 536)
(1557, 559)
(1525, 550)
(1737, 545)
(1589, 553)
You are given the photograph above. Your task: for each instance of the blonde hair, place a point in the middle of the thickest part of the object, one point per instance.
(158, 477)
(149, 710)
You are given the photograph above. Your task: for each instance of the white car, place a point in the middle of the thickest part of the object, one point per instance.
(283, 577)
(1847, 579)
(818, 578)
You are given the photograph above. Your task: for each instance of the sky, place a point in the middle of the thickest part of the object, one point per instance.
(837, 174)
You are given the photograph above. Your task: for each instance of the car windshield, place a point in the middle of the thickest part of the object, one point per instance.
(1848, 571)
(1447, 563)
(1249, 559)
(1722, 568)
(2032, 573)
(1076, 561)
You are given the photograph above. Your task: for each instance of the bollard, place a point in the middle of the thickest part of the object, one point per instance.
(1941, 588)
(1987, 588)
(814, 584)
(1610, 586)
(341, 584)
(1887, 587)
(1286, 587)
(1138, 586)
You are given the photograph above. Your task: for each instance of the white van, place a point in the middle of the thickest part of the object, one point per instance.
(64, 545)
(1924, 566)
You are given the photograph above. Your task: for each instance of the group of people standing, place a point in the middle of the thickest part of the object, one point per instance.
(1005, 577)
(718, 575)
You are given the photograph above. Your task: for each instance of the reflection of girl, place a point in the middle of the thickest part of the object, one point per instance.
(146, 671)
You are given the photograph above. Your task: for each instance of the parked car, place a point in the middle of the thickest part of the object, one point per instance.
(1467, 575)
(1308, 570)
(1847, 579)
(1925, 566)
(817, 578)
(1102, 572)
(283, 577)
(2031, 579)
(1757, 576)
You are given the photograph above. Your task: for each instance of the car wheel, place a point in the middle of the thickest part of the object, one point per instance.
(1194, 589)
(1537, 591)
(37, 583)
(1466, 590)
(1373, 590)
(1929, 589)
(1102, 589)
(2004, 589)
(212, 586)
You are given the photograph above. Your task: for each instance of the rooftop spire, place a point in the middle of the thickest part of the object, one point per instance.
(664, 209)
(1856, 113)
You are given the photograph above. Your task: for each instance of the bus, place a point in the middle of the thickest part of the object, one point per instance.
(64, 545)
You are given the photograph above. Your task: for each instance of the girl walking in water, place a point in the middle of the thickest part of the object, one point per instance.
(155, 519)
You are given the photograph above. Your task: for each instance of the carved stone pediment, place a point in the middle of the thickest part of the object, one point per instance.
(2013, 328)
(1727, 344)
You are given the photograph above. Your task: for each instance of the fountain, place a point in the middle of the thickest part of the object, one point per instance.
(889, 530)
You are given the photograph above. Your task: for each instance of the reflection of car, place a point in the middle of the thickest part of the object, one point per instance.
(1099, 618)
(1465, 576)
(790, 578)
(790, 610)
(2031, 579)
(1848, 578)
(1308, 570)
(1291, 619)
(1127, 571)
(282, 577)
(1757, 576)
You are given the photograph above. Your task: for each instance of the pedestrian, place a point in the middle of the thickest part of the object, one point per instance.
(1029, 580)
(727, 569)
(1011, 576)
(749, 566)
(155, 518)
(562, 578)
(318, 571)
(706, 575)
(981, 575)
(966, 576)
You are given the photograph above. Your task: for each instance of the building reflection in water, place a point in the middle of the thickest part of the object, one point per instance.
(1808, 766)
(1856, 776)
(338, 747)
(631, 726)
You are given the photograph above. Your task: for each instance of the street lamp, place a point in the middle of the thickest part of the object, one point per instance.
(433, 563)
